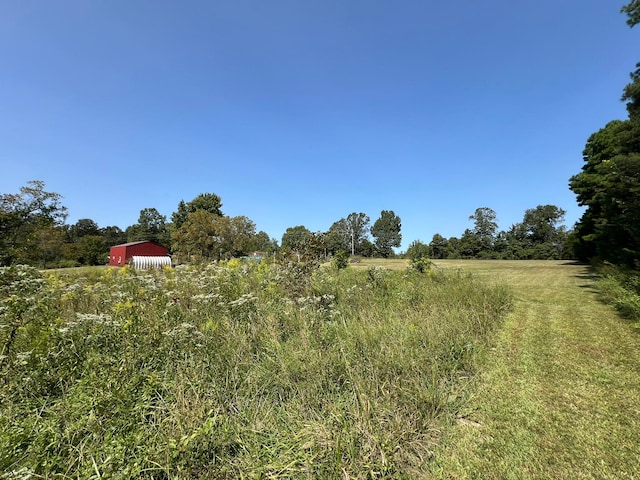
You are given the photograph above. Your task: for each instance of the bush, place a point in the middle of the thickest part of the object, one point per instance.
(421, 264)
(620, 287)
(340, 260)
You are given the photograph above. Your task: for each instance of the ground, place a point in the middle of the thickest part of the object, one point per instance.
(558, 394)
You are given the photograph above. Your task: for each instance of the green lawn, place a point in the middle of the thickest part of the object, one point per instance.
(559, 394)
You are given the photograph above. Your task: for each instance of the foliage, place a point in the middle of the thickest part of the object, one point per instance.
(421, 264)
(539, 236)
(261, 371)
(609, 184)
(23, 216)
(352, 231)
(113, 235)
(294, 238)
(151, 226)
(439, 247)
(620, 287)
(263, 243)
(302, 245)
(310, 247)
(205, 236)
(609, 187)
(418, 249)
(631, 94)
(20, 312)
(540, 224)
(485, 226)
(469, 245)
(50, 242)
(632, 9)
(335, 240)
(209, 202)
(418, 254)
(93, 250)
(84, 226)
(368, 249)
(340, 260)
(386, 232)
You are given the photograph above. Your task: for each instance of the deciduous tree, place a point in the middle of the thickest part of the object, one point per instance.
(22, 216)
(540, 235)
(50, 241)
(84, 226)
(238, 234)
(485, 226)
(542, 224)
(263, 243)
(353, 230)
(113, 235)
(335, 240)
(295, 238)
(205, 236)
(151, 226)
(93, 250)
(198, 238)
(418, 249)
(209, 202)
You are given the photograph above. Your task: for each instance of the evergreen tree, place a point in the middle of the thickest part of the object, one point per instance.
(386, 232)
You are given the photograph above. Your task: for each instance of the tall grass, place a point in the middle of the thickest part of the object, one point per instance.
(620, 287)
(234, 371)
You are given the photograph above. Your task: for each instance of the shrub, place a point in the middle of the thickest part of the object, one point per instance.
(340, 260)
(620, 287)
(421, 264)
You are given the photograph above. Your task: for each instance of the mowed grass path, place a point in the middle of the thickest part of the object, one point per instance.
(558, 396)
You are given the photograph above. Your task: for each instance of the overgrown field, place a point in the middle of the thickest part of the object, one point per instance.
(254, 371)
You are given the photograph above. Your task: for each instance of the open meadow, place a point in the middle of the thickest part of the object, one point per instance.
(474, 369)
(237, 370)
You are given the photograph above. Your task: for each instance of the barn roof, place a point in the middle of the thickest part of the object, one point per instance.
(137, 243)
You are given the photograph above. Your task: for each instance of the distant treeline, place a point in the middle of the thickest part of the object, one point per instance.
(33, 231)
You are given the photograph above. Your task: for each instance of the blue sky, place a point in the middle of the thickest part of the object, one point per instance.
(300, 112)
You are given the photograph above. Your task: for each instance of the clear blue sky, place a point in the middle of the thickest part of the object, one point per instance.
(300, 112)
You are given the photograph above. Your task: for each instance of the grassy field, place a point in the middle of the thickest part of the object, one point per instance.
(559, 394)
(235, 370)
(276, 372)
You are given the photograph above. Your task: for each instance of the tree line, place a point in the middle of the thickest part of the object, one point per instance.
(539, 236)
(33, 231)
(609, 183)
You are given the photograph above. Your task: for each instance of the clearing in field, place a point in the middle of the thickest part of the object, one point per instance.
(558, 395)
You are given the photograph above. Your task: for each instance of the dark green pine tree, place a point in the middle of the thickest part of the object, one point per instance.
(386, 232)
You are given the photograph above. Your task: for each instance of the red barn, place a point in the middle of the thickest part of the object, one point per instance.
(121, 254)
